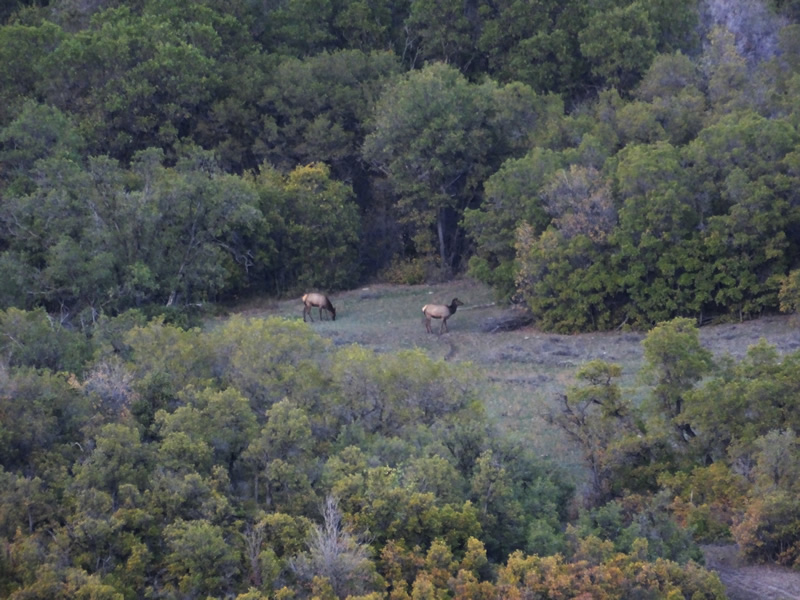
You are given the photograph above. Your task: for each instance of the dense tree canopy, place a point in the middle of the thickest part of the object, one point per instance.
(606, 164)
(192, 463)
(442, 131)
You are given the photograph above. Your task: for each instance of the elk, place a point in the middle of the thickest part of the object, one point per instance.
(440, 311)
(319, 300)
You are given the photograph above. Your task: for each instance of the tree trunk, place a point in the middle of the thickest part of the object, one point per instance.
(440, 231)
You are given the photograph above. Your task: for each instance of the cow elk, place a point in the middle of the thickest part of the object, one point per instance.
(440, 311)
(320, 301)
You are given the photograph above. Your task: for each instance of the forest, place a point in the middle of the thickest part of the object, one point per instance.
(613, 164)
(603, 163)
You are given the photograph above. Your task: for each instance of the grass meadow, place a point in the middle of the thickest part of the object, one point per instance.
(524, 371)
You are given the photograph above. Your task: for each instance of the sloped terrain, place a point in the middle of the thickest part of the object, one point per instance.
(526, 369)
(751, 582)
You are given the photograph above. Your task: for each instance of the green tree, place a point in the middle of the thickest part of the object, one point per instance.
(285, 437)
(200, 560)
(672, 86)
(46, 228)
(511, 197)
(436, 475)
(499, 512)
(35, 339)
(222, 420)
(323, 228)
(748, 246)
(659, 257)
(298, 28)
(140, 79)
(364, 25)
(101, 239)
(746, 400)
(164, 360)
(789, 293)
(43, 414)
(675, 361)
(619, 44)
(564, 274)
(310, 233)
(118, 458)
(269, 360)
(597, 416)
(27, 504)
(567, 283)
(23, 48)
(38, 131)
(535, 43)
(432, 139)
(745, 141)
(627, 525)
(444, 31)
(316, 109)
(675, 25)
(776, 461)
(199, 209)
(749, 221)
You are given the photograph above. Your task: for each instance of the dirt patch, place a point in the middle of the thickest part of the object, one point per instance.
(751, 582)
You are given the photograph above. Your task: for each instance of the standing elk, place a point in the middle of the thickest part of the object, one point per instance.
(440, 311)
(319, 300)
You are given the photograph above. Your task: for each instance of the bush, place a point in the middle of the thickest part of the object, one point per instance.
(412, 271)
(770, 529)
(789, 293)
(33, 339)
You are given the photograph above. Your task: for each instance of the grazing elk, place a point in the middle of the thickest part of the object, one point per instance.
(440, 311)
(319, 300)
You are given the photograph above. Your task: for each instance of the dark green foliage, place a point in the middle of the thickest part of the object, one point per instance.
(432, 137)
(34, 339)
(93, 93)
(746, 400)
(317, 109)
(42, 417)
(624, 525)
(675, 362)
(535, 43)
(253, 425)
(654, 237)
(149, 465)
(511, 197)
(588, 159)
(102, 239)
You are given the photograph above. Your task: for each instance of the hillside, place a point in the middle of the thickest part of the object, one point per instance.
(223, 460)
(625, 171)
(526, 368)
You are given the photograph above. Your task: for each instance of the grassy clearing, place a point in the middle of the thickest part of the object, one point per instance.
(524, 371)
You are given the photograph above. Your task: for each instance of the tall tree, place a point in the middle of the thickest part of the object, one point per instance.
(535, 43)
(316, 109)
(442, 30)
(659, 256)
(675, 362)
(511, 196)
(619, 44)
(434, 139)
